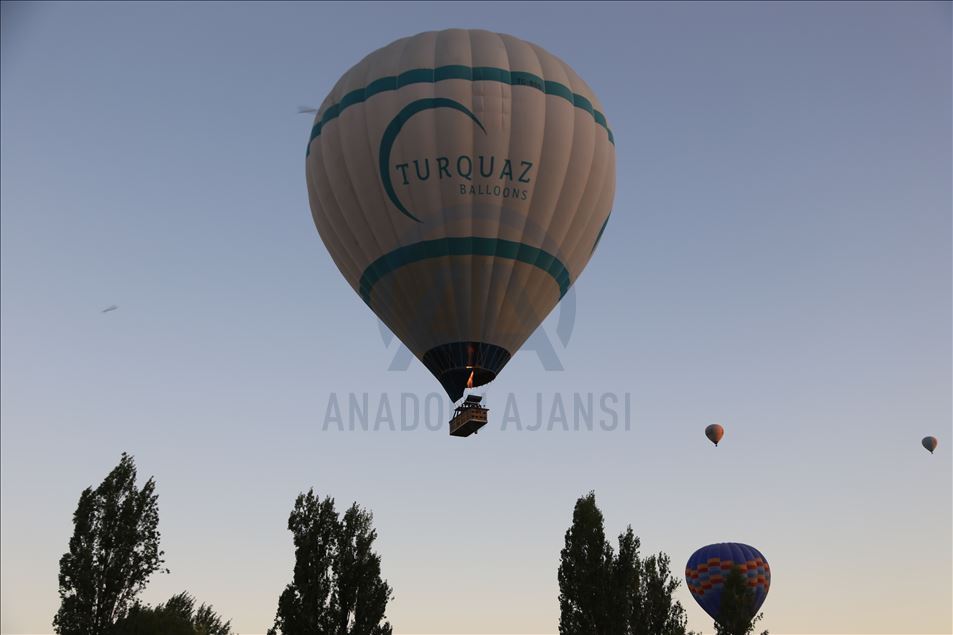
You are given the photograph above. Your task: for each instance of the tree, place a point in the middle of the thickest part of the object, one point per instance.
(585, 566)
(736, 613)
(177, 616)
(602, 593)
(627, 584)
(337, 587)
(644, 590)
(661, 614)
(112, 554)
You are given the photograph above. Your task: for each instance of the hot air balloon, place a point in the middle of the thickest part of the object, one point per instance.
(714, 432)
(461, 181)
(929, 443)
(708, 568)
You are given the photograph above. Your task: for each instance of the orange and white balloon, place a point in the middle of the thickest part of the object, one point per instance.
(714, 432)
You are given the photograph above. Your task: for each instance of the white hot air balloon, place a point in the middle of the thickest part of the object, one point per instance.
(461, 180)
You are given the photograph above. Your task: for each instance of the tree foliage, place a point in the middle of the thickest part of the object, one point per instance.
(603, 592)
(177, 616)
(736, 613)
(113, 552)
(337, 587)
(586, 560)
(660, 613)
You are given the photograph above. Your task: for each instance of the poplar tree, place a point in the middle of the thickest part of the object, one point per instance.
(113, 552)
(337, 587)
(736, 613)
(604, 592)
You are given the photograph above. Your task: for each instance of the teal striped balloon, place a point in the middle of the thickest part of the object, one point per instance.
(461, 181)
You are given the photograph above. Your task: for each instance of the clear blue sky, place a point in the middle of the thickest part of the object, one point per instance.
(778, 260)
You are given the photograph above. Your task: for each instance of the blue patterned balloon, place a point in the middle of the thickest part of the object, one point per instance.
(708, 568)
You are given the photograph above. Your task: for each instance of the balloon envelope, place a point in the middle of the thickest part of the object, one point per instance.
(929, 443)
(714, 432)
(461, 180)
(708, 568)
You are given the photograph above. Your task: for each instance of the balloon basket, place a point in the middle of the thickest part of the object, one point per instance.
(468, 417)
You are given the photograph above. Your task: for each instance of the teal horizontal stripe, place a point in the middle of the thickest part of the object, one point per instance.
(470, 73)
(601, 231)
(470, 246)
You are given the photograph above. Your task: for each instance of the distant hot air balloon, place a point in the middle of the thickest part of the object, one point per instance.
(929, 443)
(708, 568)
(461, 180)
(714, 432)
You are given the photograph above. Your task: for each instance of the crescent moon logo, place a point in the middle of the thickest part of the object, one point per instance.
(393, 129)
